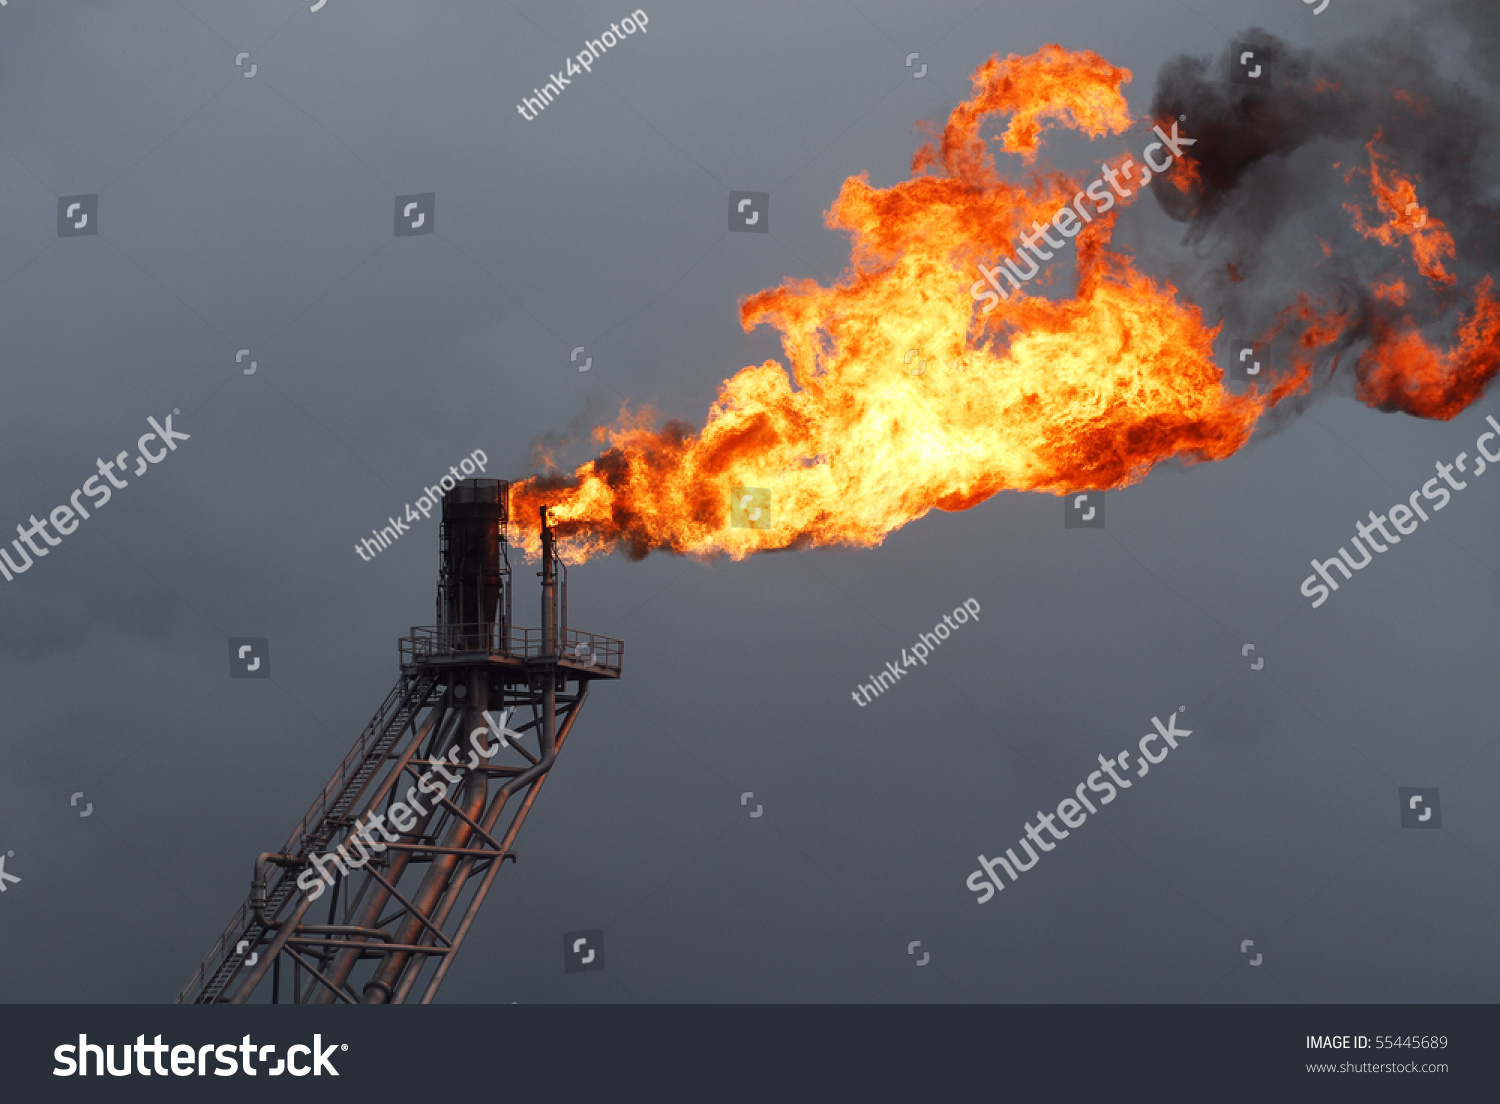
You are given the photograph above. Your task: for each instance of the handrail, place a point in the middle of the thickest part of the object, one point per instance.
(583, 648)
(404, 700)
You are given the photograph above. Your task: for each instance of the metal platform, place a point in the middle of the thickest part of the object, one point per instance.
(584, 655)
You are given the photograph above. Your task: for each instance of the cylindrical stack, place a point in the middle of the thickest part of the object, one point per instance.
(470, 580)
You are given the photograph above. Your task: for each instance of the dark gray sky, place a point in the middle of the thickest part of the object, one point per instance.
(255, 213)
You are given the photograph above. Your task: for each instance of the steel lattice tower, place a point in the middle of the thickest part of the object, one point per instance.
(470, 731)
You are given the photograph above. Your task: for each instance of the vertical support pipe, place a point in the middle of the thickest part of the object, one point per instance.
(533, 779)
(507, 585)
(549, 590)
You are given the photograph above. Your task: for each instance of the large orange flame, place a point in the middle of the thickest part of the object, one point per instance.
(902, 396)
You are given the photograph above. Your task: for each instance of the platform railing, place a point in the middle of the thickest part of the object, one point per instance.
(584, 649)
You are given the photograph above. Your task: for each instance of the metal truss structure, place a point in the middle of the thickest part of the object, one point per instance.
(406, 839)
